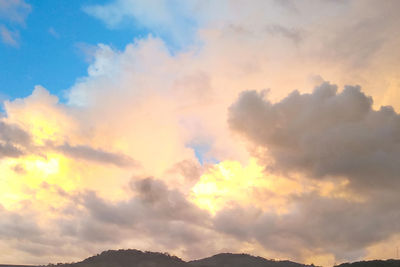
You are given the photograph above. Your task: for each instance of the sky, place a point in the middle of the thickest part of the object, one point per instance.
(268, 127)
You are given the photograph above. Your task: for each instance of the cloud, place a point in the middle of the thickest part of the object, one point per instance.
(324, 134)
(8, 150)
(189, 169)
(166, 110)
(13, 14)
(166, 18)
(54, 33)
(86, 51)
(97, 155)
(137, 92)
(153, 214)
(14, 11)
(16, 141)
(315, 223)
(8, 37)
(19, 169)
(291, 33)
(13, 140)
(13, 225)
(153, 200)
(10, 133)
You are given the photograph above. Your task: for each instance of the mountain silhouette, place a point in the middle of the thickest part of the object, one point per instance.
(137, 258)
(373, 263)
(241, 260)
(129, 258)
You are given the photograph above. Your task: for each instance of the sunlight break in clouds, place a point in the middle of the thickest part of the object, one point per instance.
(219, 131)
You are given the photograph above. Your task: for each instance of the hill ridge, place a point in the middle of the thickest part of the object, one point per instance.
(138, 258)
(133, 258)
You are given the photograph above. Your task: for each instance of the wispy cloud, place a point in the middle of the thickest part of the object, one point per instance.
(14, 11)
(13, 14)
(8, 37)
(54, 33)
(172, 20)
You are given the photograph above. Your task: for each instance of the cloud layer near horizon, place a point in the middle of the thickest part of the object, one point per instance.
(170, 151)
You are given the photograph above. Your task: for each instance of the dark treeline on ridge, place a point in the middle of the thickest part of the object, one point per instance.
(137, 258)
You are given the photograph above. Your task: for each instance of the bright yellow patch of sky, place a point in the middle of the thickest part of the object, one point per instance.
(231, 182)
(34, 171)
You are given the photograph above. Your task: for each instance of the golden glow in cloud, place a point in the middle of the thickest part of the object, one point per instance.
(229, 183)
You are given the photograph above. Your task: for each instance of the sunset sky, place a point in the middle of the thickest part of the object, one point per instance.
(268, 127)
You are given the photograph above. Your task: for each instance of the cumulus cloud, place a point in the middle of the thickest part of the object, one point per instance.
(324, 133)
(137, 92)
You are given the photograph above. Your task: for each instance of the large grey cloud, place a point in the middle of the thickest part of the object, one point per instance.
(163, 218)
(154, 216)
(154, 212)
(316, 223)
(14, 225)
(324, 134)
(323, 224)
